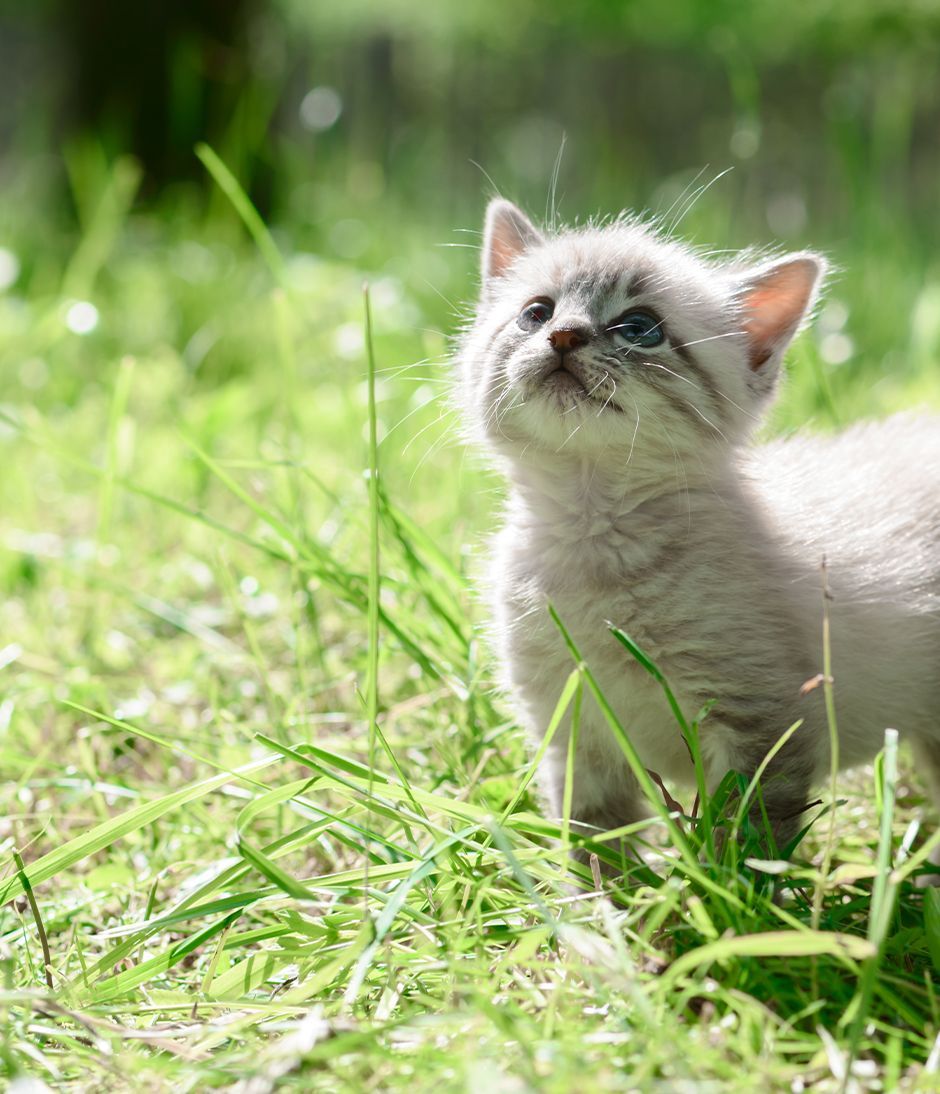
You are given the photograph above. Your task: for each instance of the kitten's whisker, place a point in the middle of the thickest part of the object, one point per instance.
(444, 441)
(636, 428)
(399, 370)
(516, 401)
(737, 406)
(447, 439)
(449, 303)
(685, 189)
(496, 419)
(442, 359)
(613, 392)
(551, 205)
(437, 381)
(694, 198)
(494, 409)
(568, 438)
(707, 421)
(715, 390)
(710, 338)
(678, 376)
(413, 411)
(494, 416)
(489, 178)
(604, 405)
(603, 380)
(620, 326)
(435, 421)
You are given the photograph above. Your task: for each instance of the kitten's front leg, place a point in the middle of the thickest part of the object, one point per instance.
(784, 787)
(596, 821)
(600, 801)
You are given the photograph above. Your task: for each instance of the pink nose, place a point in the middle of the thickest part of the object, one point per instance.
(566, 339)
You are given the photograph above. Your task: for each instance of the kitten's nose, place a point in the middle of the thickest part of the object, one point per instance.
(566, 338)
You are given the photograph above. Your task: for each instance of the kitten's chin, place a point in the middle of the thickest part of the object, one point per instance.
(560, 414)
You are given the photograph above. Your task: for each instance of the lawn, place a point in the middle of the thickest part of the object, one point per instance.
(266, 821)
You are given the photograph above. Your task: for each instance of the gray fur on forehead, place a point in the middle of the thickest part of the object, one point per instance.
(626, 257)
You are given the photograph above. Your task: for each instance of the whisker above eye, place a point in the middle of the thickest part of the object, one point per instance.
(639, 327)
(622, 326)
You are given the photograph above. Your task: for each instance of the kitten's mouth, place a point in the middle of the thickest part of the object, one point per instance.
(563, 379)
(567, 382)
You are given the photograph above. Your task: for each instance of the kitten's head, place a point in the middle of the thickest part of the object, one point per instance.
(618, 341)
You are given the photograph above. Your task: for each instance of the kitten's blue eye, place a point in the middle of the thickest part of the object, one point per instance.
(638, 328)
(534, 314)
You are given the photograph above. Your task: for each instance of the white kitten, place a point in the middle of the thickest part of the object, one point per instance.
(616, 376)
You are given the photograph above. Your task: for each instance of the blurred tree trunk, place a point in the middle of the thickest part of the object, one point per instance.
(154, 77)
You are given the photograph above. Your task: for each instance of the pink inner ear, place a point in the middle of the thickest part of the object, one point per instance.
(505, 245)
(774, 305)
(507, 233)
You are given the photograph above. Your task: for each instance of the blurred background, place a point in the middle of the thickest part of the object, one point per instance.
(342, 118)
(369, 134)
(397, 99)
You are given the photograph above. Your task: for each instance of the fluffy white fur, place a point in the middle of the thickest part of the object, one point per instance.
(635, 499)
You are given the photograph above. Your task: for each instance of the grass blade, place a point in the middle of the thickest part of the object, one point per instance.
(104, 835)
(626, 746)
(249, 215)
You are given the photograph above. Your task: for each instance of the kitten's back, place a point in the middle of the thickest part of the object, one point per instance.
(867, 499)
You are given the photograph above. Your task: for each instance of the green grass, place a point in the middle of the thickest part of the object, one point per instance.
(261, 801)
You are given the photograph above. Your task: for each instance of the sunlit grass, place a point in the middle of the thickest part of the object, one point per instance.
(263, 842)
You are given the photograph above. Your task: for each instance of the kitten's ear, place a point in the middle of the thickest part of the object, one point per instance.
(506, 234)
(773, 300)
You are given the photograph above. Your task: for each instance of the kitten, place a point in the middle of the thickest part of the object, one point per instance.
(616, 376)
